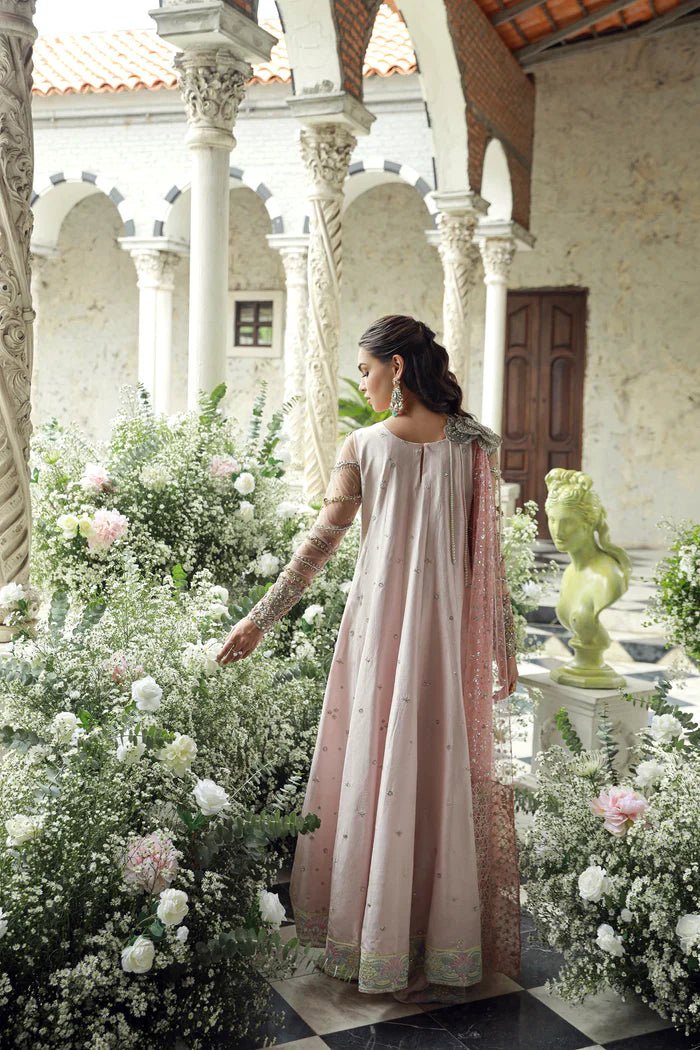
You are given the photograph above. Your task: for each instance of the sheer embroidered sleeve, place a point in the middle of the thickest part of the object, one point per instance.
(340, 504)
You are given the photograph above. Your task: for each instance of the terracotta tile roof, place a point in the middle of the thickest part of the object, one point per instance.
(137, 58)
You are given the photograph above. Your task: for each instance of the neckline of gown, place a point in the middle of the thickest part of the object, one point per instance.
(438, 441)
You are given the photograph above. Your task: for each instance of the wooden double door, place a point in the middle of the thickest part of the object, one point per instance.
(543, 390)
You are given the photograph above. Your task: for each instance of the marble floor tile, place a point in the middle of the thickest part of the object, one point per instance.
(604, 1017)
(330, 1005)
(414, 1032)
(517, 1021)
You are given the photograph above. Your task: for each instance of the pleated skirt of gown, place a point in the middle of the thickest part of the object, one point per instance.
(388, 883)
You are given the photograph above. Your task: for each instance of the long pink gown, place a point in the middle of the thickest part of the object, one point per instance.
(390, 883)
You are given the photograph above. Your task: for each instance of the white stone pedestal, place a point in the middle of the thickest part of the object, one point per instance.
(584, 706)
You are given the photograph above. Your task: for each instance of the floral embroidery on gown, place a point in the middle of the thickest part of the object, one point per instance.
(410, 883)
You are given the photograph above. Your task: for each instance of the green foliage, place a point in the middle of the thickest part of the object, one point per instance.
(604, 732)
(569, 734)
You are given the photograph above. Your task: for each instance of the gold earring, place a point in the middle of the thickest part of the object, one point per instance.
(397, 403)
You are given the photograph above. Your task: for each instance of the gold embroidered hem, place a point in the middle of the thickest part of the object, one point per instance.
(376, 973)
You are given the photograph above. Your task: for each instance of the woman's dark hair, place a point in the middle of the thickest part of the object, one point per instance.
(426, 365)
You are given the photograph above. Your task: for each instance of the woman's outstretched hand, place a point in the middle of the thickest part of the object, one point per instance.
(240, 642)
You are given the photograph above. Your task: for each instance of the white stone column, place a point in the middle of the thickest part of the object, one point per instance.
(458, 215)
(294, 253)
(17, 35)
(218, 44)
(155, 261)
(498, 242)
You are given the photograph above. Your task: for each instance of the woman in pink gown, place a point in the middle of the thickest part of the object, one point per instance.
(410, 883)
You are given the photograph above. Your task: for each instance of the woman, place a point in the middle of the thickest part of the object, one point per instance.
(411, 881)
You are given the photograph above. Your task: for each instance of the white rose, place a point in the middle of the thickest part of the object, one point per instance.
(182, 934)
(626, 915)
(609, 941)
(688, 931)
(11, 593)
(593, 883)
(220, 593)
(313, 613)
(345, 586)
(305, 651)
(244, 483)
(173, 907)
(147, 694)
(219, 610)
(665, 727)
(138, 957)
(210, 650)
(21, 829)
(246, 510)
(532, 590)
(210, 798)
(179, 754)
(268, 564)
(68, 524)
(271, 908)
(3, 924)
(66, 728)
(130, 751)
(649, 772)
(85, 525)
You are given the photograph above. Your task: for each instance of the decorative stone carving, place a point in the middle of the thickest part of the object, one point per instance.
(497, 256)
(155, 269)
(16, 314)
(460, 259)
(326, 150)
(212, 83)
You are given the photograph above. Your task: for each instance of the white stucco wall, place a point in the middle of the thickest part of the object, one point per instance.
(388, 265)
(616, 210)
(87, 302)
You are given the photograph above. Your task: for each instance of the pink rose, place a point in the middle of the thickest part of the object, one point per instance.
(117, 665)
(95, 478)
(620, 807)
(150, 864)
(106, 527)
(223, 466)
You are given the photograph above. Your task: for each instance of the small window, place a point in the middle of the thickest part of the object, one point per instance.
(256, 323)
(253, 324)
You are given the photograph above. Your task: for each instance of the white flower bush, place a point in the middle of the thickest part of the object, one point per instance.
(676, 601)
(180, 492)
(611, 863)
(144, 804)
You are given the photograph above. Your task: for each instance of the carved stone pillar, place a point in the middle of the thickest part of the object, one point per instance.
(218, 44)
(155, 267)
(17, 34)
(457, 219)
(330, 124)
(294, 253)
(326, 151)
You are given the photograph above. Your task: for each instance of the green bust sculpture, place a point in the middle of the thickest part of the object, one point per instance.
(598, 575)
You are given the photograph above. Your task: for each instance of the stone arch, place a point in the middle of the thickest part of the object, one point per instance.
(311, 36)
(496, 185)
(364, 175)
(55, 195)
(172, 222)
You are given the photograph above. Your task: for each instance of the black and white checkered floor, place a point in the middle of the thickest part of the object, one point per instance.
(317, 1011)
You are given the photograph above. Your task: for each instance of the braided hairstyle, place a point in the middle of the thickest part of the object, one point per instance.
(426, 365)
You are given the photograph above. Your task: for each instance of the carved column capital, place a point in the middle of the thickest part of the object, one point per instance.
(155, 269)
(456, 245)
(326, 151)
(497, 255)
(212, 82)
